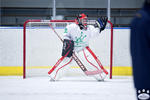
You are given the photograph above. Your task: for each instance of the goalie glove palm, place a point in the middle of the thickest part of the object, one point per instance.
(101, 23)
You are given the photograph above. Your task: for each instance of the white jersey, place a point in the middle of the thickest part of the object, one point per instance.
(80, 37)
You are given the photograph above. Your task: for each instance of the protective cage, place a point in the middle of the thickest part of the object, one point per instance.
(42, 48)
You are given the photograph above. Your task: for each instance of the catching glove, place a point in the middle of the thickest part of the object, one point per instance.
(101, 23)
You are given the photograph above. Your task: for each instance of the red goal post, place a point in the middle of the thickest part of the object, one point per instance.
(63, 21)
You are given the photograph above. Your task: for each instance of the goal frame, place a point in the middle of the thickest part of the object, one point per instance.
(38, 20)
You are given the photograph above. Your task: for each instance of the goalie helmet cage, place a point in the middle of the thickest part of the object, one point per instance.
(59, 23)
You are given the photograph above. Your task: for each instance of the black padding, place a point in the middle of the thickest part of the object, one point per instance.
(68, 46)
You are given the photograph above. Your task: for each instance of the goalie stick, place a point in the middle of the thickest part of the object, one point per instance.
(83, 68)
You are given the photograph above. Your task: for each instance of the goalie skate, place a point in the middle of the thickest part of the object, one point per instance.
(98, 77)
(52, 79)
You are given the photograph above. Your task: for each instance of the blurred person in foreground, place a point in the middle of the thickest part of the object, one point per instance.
(140, 51)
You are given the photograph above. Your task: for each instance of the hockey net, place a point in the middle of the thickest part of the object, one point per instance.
(42, 47)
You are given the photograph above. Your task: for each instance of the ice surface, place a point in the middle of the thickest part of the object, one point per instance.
(40, 88)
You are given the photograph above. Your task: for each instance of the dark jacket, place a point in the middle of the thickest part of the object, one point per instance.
(140, 47)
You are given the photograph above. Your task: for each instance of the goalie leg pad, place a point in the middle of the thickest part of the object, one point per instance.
(59, 71)
(93, 65)
(68, 46)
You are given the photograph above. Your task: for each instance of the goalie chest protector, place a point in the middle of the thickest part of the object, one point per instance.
(68, 46)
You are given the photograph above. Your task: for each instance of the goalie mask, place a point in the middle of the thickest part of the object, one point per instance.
(82, 21)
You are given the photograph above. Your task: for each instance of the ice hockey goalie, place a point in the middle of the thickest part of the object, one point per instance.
(76, 40)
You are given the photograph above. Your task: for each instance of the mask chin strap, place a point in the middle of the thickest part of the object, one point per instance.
(80, 24)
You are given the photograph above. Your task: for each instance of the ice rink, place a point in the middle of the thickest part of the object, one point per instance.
(17, 88)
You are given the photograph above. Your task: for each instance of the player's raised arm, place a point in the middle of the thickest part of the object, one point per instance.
(101, 23)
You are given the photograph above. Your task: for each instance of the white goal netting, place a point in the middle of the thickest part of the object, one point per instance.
(42, 48)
